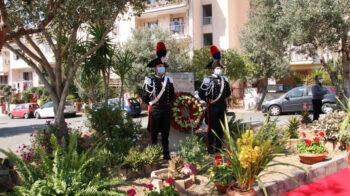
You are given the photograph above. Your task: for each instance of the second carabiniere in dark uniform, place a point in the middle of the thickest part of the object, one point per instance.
(158, 92)
(215, 90)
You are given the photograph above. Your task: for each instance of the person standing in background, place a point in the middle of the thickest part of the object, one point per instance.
(317, 95)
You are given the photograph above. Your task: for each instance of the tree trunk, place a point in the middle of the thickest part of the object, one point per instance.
(105, 82)
(264, 92)
(122, 93)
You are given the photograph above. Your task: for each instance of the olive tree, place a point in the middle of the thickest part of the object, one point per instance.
(70, 22)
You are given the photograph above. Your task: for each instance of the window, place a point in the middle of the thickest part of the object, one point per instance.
(7, 61)
(207, 14)
(27, 75)
(207, 39)
(3, 79)
(152, 24)
(177, 25)
(296, 92)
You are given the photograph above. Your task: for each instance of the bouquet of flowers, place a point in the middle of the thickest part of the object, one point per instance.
(187, 112)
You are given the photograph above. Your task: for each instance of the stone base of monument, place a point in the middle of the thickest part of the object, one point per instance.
(175, 136)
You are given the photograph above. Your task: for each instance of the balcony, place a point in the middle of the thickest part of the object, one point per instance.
(177, 27)
(207, 20)
(165, 7)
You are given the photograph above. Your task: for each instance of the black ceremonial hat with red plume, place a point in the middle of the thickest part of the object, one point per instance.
(216, 55)
(161, 53)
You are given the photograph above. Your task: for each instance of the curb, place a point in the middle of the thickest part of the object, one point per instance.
(316, 171)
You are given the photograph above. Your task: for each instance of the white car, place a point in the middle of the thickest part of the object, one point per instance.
(47, 110)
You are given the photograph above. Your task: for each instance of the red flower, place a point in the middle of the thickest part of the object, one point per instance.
(170, 181)
(316, 139)
(321, 134)
(179, 113)
(315, 132)
(218, 157)
(308, 142)
(150, 186)
(131, 192)
(303, 134)
(216, 163)
(228, 162)
(228, 152)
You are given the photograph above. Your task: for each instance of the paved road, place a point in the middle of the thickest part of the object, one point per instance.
(15, 132)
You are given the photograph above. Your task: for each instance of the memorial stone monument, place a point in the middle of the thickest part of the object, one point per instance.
(183, 82)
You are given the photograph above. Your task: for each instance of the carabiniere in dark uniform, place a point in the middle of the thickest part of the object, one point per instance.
(215, 90)
(158, 92)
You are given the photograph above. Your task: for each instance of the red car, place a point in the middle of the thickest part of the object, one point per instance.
(24, 110)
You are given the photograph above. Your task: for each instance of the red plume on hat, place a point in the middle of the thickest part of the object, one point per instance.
(161, 49)
(215, 53)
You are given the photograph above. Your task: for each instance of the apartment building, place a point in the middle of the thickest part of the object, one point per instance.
(202, 22)
(17, 73)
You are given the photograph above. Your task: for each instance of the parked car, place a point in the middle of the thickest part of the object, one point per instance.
(295, 100)
(131, 105)
(47, 110)
(24, 110)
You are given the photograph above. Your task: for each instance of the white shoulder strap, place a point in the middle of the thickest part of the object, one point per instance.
(161, 92)
(221, 90)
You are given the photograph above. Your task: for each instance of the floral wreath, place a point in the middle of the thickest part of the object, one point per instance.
(186, 111)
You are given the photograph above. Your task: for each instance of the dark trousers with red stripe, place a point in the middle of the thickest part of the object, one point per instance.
(216, 113)
(160, 122)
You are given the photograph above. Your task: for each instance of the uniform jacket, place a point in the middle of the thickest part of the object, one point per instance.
(152, 87)
(210, 89)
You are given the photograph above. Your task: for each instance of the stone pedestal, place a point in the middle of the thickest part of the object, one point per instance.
(175, 136)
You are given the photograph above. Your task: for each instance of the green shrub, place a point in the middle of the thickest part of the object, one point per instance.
(117, 129)
(305, 118)
(33, 89)
(293, 127)
(6, 88)
(2, 86)
(152, 154)
(26, 96)
(330, 124)
(71, 97)
(193, 151)
(39, 91)
(67, 172)
(44, 99)
(15, 100)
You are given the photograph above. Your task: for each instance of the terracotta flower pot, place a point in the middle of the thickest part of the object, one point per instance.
(221, 188)
(312, 158)
(347, 146)
(232, 191)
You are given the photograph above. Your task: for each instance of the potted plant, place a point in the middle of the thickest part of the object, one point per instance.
(249, 153)
(193, 152)
(183, 179)
(311, 151)
(219, 174)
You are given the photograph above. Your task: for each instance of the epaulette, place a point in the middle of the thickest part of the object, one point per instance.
(148, 80)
